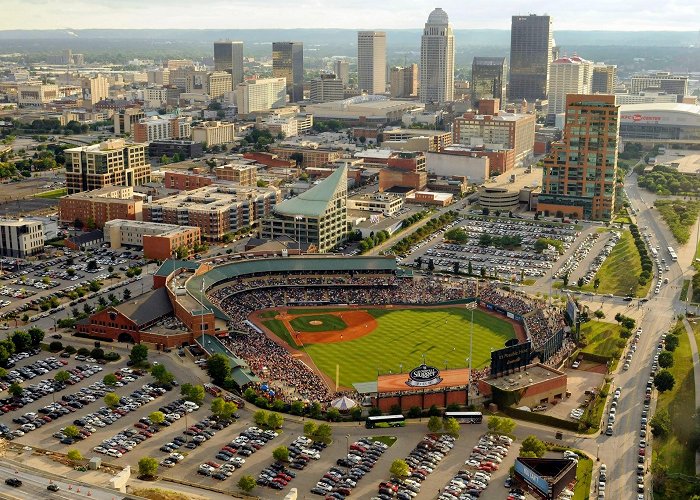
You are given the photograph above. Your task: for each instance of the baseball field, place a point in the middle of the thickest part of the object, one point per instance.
(366, 341)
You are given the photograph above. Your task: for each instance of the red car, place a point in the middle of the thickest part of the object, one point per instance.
(140, 425)
(213, 464)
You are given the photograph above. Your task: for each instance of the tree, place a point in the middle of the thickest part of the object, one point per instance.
(533, 445)
(15, 389)
(62, 376)
(21, 340)
(246, 483)
(37, 334)
(332, 414)
(55, 346)
(148, 466)
(157, 417)
(660, 423)
(580, 282)
(324, 434)
(297, 408)
(399, 468)
(193, 393)
(434, 424)
(664, 381)
(71, 431)
(126, 294)
(356, 413)
(110, 379)
(310, 429)
(275, 420)
(260, 418)
(281, 454)
(599, 314)
(223, 409)
(666, 359)
(111, 399)
(74, 455)
(138, 354)
(161, 374)
(671, 342)
(596, 284)
(452, 427)
(218, 368)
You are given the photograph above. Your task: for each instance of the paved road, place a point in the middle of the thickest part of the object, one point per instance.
(34, 483)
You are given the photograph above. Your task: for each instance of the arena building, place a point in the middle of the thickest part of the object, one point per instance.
(661, 123)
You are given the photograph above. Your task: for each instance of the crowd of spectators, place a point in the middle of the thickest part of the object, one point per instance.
(291, 378)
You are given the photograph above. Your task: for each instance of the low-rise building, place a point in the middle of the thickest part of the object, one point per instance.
(430, 198)
(215, 209)
(212, 133)
(186, 180)
(363, 109)
(500, 199)
(310, 157)
(36, 95)
(244, 174)
(21, 238)
(385, 203)
(452, 163)
(186, 149)
(159, 241)
(95, 208)
(157, 127)
(437, 140)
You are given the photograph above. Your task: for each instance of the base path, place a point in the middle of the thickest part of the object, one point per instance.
(359, 323)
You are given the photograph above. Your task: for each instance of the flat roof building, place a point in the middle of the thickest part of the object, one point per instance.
(288, 63)
(531, 43)
(261, 95)
(95, 208)
(385, 203)
(661, 123)
(371, 61)
(21, 238)
(363, 109)
(212, 133)
(228, 56)
(158, 240)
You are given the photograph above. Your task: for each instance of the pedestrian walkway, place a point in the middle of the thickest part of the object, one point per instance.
(696, 373)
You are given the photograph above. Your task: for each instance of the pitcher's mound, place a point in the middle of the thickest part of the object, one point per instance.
(316, 322)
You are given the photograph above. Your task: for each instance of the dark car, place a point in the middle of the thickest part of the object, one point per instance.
(13, 481)
(53, 487)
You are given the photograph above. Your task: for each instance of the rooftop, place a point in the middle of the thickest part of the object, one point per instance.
(211, 198)
(148, 307)
(314, 201)
(532, 374)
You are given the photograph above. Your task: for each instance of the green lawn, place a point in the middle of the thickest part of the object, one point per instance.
(328, 322)
(684, 290)
(601, 337)
(278, 328)
(584, 472)
(387, 440)
(403, 336)
(620, 272)
(56, 193)
(680, 403)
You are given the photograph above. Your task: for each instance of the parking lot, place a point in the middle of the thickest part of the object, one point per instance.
(510, 260)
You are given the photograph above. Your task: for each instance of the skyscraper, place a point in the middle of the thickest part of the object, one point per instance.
(404, 81)
(580, 171)
(371, 61)
(531, 52)
(437, 59)
(288, 62)
(341, 69)
(604, 78)
(567, 75)
(489, 79)
(228, 56)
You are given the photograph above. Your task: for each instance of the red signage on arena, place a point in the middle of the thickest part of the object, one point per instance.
(641, 118)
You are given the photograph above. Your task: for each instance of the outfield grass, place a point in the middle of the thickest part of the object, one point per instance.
(620, 272)
(279, 329)
(402, 337)
(680, 404)
(328, 322)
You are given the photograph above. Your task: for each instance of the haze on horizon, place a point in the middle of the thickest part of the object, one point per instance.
(633, 15)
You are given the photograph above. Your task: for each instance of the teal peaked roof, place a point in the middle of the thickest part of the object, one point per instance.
(314, 201)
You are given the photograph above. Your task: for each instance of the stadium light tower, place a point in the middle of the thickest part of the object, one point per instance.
(471, 306)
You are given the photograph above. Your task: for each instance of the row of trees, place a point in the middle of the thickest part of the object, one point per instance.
(423, 232)
(373, 240)
(20, 341)
(509, 242)
(647, 265)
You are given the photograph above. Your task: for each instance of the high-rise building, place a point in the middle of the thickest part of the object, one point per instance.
(98, 87)
(531, 45)
(371, 61)
(489, 79)
(218, 83)
(327, 87)
(316, 217)
(158, 127)
(228, 56)
(288, 62)
(404, 81)
(110, 162)
(663, 81)
(567, 75)
(437, 59)
(341, 69)
(580, 171)
(261, 95)
(604, 78)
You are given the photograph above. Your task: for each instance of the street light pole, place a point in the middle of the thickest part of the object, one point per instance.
(471, 306)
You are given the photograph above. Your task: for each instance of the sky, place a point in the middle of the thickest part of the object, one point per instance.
(613, 15)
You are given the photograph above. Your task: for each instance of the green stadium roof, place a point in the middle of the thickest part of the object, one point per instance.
(314, 201)
(170, 266)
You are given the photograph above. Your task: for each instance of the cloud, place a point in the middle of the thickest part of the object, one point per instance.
(631, 15)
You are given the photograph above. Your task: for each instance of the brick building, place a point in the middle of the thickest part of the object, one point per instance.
(310, 157)
(95, 208)
(185, 180)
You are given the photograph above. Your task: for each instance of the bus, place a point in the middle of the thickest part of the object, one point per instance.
(385, 421)
(654, 252)
(672, 253)
(465, 417)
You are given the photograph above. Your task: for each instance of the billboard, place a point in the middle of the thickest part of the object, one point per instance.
(571, 309)
(424, 376)
(532, 477)
(550, 346)
(510, 359)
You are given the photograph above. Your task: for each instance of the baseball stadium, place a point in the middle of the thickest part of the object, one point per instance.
(314, 328)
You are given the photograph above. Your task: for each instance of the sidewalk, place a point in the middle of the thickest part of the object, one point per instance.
(696, 373)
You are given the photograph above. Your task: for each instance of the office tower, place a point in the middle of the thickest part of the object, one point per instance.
(404, 81)
(21, 238)
(228, 56)
(261, 95)
(580, 171)
(342, 71)
(437, 59)
(110, 162)
(327, 87)
(661, 81)
(604, 78)
(371, 61)
(567, 75)
(489, 79)
(288, 62)
(98, 87)
(218, 83)
(530, 54)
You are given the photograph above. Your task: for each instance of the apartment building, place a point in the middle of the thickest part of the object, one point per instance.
(95, 208)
